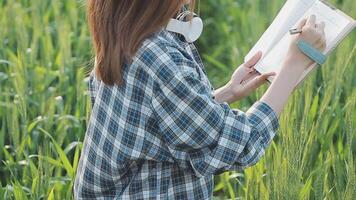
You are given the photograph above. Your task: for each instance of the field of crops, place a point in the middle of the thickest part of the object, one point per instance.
(45, 54)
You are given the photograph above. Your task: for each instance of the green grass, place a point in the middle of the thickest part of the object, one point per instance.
(45, 54)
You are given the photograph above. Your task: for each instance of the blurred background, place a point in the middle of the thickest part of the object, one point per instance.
(46, 53)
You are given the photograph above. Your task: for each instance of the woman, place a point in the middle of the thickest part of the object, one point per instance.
(157, 128)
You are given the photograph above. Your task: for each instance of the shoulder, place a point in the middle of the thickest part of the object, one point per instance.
(164, 54)
(163, 42)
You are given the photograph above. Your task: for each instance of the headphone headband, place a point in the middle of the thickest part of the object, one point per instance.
(182, 16)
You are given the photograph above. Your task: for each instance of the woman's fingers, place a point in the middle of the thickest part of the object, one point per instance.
(250, 75)
(321, 44)
(266, 75)
(321, 27)
(256, 74)
(252, 62)
(258, 81)
(246, 70)
(311, 20)
(302, 24)
(240, 73)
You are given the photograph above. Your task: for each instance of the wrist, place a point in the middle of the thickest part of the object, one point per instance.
(283, 85)
(295, 55)
(225, 94)
(291, 72)
(296, 64)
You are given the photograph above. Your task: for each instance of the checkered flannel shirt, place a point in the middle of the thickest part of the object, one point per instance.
(161, 135)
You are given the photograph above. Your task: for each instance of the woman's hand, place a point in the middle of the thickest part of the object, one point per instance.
(294, 65)
(244, 80)
(314, 34)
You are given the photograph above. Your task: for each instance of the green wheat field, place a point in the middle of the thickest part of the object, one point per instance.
(46, 53)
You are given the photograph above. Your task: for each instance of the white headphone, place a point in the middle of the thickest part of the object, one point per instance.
(191, 30)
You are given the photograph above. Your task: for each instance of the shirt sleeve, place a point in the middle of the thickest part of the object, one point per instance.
(202, 135)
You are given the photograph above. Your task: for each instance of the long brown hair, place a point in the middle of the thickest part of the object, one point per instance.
(118, 27)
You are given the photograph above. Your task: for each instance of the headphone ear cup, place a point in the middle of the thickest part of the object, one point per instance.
(191, 30)
(195, 29)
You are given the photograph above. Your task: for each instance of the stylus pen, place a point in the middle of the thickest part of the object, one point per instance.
(295, 31)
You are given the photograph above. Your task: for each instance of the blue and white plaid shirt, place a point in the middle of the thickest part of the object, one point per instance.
(162, 135)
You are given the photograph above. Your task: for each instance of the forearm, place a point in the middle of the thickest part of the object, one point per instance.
(283, 85)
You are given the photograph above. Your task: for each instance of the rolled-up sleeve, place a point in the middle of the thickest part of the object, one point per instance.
(202, 135)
